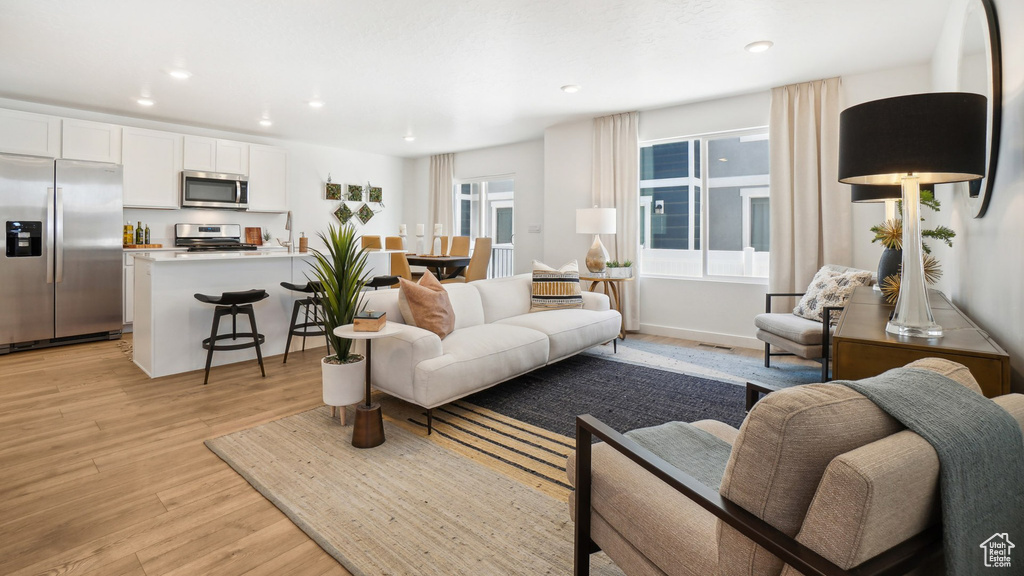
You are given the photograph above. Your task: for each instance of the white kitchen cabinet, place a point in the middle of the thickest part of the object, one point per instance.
(96, 141)
(203, 154)
(28, 133)
(129, 287)
(268, 179)
(152, 166)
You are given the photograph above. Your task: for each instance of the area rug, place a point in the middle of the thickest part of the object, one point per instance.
(408, 506)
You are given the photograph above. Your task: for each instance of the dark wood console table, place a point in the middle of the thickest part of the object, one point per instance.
(861, 347)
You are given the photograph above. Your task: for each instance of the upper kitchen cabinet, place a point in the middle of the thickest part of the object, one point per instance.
(152, 165)
(215, 155)
(268, 179)
(27, 133)
(83, 140)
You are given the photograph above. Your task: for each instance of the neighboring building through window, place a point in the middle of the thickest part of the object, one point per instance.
(705, 214)
(486, 207)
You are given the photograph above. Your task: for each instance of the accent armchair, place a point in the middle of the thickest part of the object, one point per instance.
(818, 481)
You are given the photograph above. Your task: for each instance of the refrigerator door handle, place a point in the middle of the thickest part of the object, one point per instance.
(49, 235)
(59, 227)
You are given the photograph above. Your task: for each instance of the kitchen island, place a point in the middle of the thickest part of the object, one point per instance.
(170, 324)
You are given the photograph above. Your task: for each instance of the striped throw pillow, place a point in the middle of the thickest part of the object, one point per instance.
(555, 289)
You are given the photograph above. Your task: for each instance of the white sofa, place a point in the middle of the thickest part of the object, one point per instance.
(496, 338)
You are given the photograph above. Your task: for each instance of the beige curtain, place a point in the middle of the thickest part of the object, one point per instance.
(441, 211)
(616, 185)
(810, 209)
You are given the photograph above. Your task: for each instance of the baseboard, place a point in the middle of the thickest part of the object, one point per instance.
(701, 336)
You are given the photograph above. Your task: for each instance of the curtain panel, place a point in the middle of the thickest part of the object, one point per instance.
(441, 211)
(810, 210)
(616, 184)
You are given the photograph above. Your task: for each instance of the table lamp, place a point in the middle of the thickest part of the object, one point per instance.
(912, 140)
(596, 221)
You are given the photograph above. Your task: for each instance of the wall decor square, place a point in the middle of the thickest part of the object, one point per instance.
(364, 213)
(376, 194)
(355, 193)
(344, 213)
(332, 191)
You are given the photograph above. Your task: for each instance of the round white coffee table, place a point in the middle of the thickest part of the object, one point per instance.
(368, 430)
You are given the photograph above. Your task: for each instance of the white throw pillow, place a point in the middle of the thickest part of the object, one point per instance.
(555, 289)
(831, 286)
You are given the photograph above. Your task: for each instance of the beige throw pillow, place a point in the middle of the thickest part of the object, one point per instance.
(426, 305)
(555, 289)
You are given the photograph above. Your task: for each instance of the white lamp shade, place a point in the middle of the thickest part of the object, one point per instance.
(595, 220)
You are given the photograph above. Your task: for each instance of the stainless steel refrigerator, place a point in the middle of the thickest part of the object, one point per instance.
(60, 275)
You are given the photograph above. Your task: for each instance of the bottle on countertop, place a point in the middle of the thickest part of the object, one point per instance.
(139, 233)
(129, 233)
(146, 235)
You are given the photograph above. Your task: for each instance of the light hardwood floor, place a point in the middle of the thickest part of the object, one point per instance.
(103, 471)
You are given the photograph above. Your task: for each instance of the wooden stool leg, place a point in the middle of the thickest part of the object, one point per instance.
(343, 417)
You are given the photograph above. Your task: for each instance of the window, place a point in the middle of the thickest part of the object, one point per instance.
(486, 207)
(705, 214)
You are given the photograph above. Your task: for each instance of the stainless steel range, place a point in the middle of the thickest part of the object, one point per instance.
(210, 237)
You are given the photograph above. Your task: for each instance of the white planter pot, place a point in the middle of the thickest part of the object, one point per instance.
(344, 384)
(620, 272)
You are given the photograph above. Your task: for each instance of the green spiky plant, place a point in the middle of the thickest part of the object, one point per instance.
(340, 274)
(891, 236)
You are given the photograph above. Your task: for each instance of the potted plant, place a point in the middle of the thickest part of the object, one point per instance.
(339, 276)
(618, 269)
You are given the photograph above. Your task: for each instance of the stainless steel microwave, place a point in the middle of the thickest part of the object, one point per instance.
(214, 190)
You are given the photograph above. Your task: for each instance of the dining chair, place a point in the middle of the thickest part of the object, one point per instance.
(371, 242)
(393, 243)
(460, 246)
(400, 267)
(477, 269)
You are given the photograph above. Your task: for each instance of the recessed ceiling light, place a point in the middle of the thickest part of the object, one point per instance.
(145, 101)
(180, 74)
(723, 159)
(316, 103)
(571, 88)
(409, 138)
(759, 46)
(266, 122)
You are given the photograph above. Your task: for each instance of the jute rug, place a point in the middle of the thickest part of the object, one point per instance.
(407, 507)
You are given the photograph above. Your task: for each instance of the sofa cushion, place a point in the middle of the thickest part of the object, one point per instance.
(570, 331)
(790, 327)
(831, 286)
(469, 310)
(426, 305)
(475, 358)
(504, 297)
(555, 289)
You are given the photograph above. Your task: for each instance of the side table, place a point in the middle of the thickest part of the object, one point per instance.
(610, 287)
(368, 430)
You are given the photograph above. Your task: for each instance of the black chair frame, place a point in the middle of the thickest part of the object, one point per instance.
(211, 344)
(826, 333)
(914, 552)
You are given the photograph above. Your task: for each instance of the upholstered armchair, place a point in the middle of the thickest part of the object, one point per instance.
(818, 480)
(807, 335)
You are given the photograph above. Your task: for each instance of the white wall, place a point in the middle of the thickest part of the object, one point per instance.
(711, 311)
(984, 271)
(524, 161)
(308, 167)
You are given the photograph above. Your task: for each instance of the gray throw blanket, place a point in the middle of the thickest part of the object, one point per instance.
(981, 457)
(696, 452)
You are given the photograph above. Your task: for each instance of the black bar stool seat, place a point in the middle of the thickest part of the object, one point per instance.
(307, 328)
(382, 281)
(233, 303)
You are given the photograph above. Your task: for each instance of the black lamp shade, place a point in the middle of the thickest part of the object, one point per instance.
(865, 193)
(939, 137)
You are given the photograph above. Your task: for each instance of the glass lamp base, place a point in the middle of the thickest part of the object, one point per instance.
(927, 331)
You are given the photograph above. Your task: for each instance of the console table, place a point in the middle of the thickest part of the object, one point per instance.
(861, 347)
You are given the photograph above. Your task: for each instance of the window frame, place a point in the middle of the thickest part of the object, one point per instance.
(703, 183)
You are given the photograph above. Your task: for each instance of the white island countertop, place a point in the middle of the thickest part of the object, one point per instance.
(240, 255)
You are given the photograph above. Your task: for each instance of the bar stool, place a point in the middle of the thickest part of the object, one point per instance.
(307, 328)
(233, 303)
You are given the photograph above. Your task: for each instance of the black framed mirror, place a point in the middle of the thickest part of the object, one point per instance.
(980, 71)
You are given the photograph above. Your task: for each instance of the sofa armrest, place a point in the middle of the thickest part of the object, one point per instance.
(595, 301)
(395, 358)
(896, 560)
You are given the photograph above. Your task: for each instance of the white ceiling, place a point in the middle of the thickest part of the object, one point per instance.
(456, 74)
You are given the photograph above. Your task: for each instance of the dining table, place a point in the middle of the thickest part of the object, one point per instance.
(443, 267)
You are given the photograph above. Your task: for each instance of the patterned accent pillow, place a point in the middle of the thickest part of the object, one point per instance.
(831, 286)
(555, 289)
